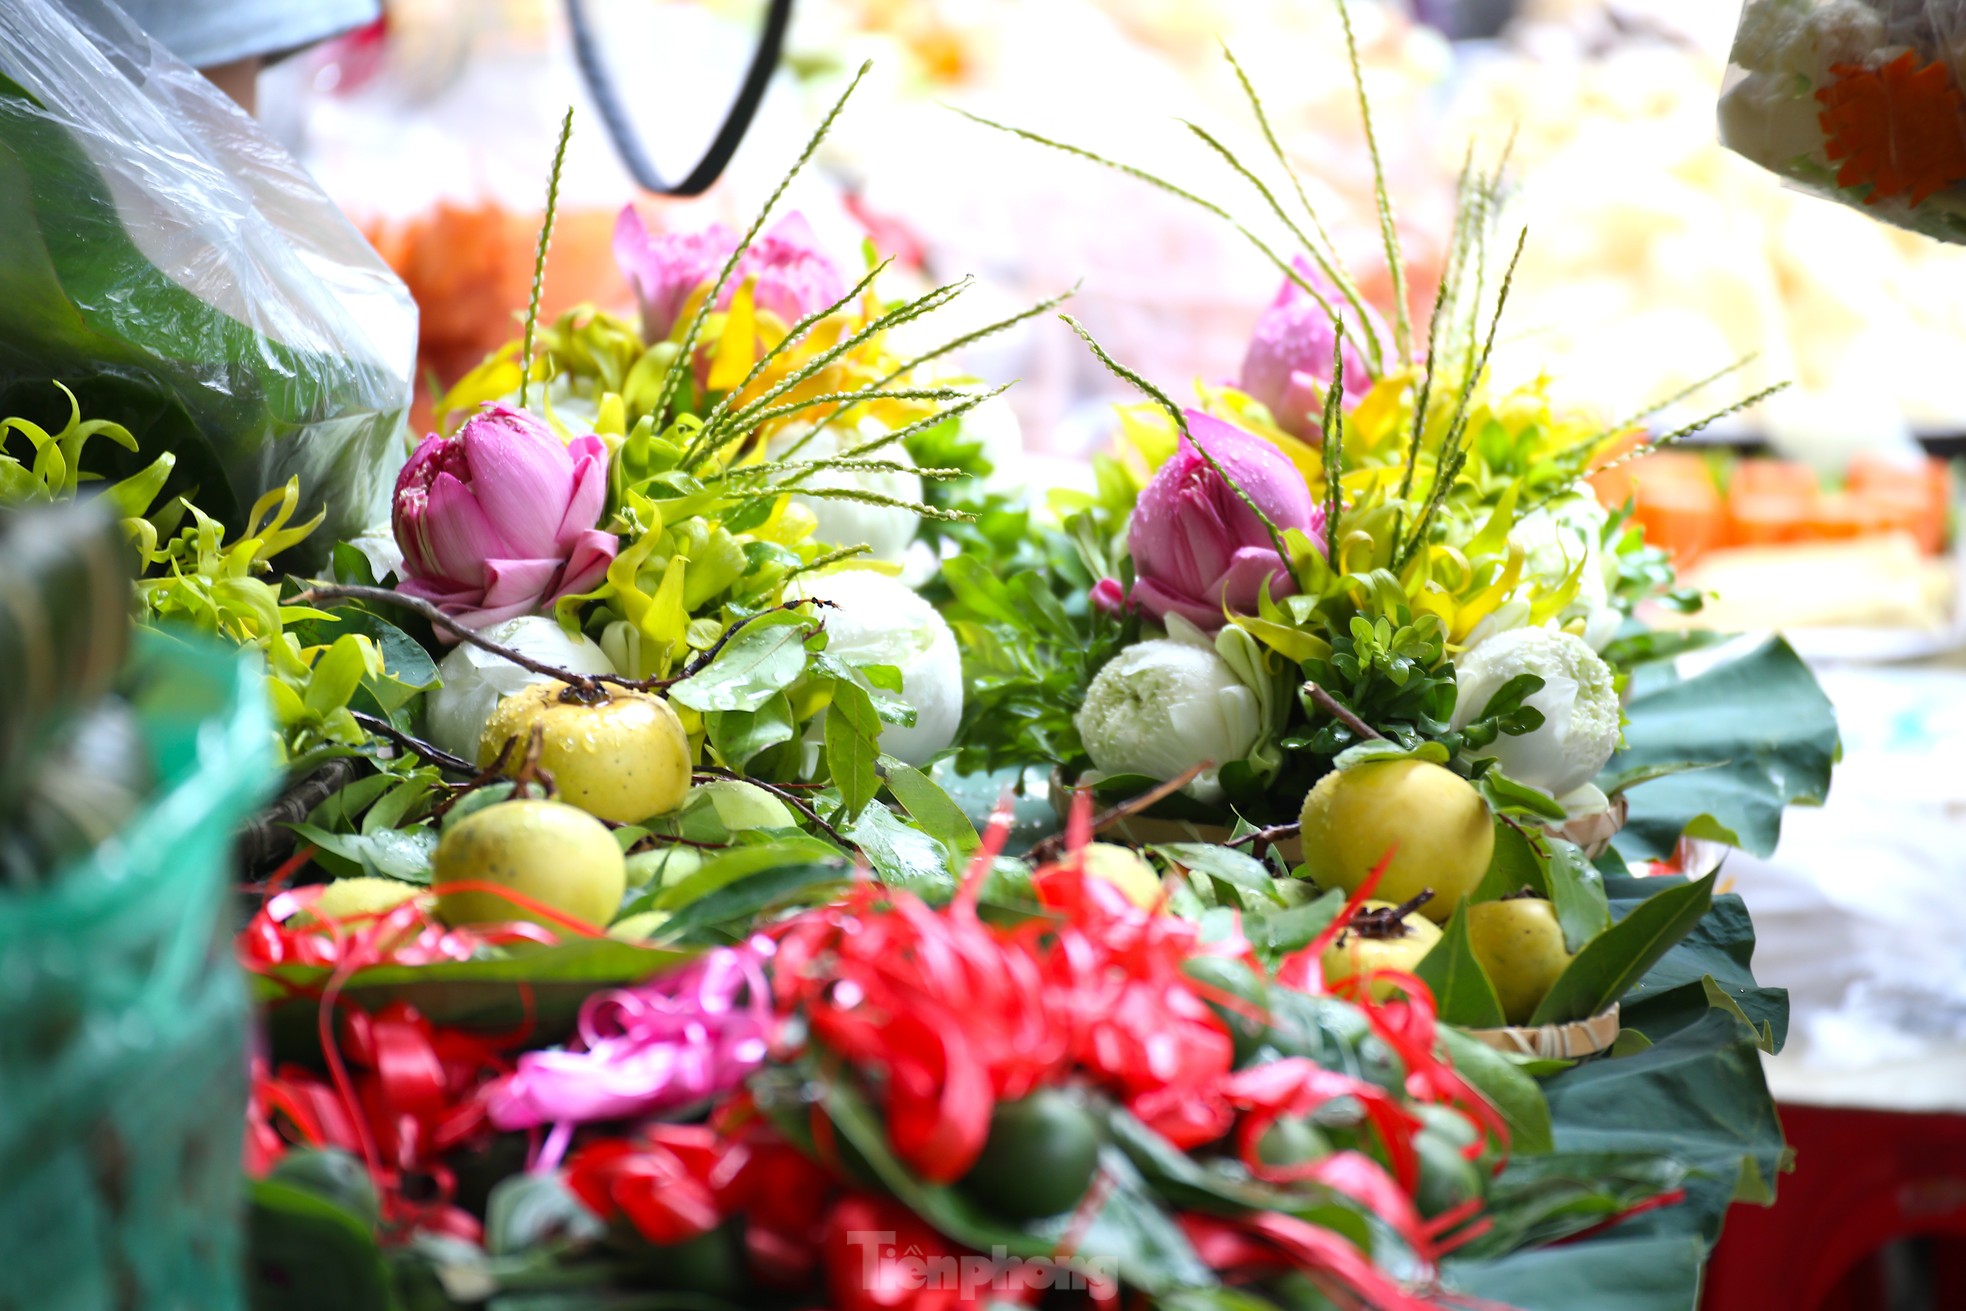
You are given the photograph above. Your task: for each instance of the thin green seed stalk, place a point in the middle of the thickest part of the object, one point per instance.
(672, 379)
(539, 255)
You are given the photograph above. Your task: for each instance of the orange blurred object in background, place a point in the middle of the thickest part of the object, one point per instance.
(1679, 501)
(470, 269)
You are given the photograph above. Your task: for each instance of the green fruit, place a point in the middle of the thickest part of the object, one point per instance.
(1378, 942)
(1126, 870)
(740, 805)
(624, 757)
(1292, 1140)
(556, 855)
(1218, 980)
(1520, 946)
(1447, 1178)
(1039, 1159)
(332, 1175)
(640, 927)
(358, 896)
(663, 866)
(1434, 823)
(1448, 1123)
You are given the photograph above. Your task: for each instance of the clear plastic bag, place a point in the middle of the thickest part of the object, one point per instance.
(1858, 101)
(172, 265)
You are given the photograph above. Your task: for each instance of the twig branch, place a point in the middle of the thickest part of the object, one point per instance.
(792, 799)
(1053, 847)
(1263, 837)
(326, 592)
(587, 683)
(1337, 710)
(416, 746)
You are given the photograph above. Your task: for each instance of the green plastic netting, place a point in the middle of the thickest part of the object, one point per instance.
(123, 1023)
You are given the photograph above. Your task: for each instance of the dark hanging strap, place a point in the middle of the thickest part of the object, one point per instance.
(600, 83)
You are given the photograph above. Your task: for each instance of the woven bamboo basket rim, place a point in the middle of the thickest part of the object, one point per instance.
(1573, 1040)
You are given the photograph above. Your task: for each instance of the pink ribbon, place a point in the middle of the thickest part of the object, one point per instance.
(683, 1038)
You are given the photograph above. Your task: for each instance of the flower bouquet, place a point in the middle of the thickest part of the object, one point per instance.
(650, 955)
(1359, 606)
(633, 634)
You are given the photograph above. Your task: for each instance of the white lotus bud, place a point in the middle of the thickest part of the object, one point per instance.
(1578, 700)
(1161, 707)
(878, 620)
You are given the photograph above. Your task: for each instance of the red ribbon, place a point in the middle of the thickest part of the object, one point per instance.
(409, 1099)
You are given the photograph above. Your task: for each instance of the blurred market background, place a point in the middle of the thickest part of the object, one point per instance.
(1655, 258)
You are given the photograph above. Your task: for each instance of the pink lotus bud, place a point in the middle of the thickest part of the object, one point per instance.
(1196, 545)
(1289, 361)
(664, 270)
(793, 276)
(498, 521)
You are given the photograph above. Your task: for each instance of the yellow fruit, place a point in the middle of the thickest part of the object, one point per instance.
(624, 758)
(1126, 870)
(1434, 817)
(550, 852)
(1378, 942)
(1520, 946)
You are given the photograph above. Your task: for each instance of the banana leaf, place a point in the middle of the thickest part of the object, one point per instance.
(186, 279)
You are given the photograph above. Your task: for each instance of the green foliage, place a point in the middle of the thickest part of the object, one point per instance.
(1752, 729)
(1391, 672)
(1031, 643)
(192, 576)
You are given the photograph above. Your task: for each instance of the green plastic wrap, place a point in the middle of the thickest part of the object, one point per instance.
(123, 1022)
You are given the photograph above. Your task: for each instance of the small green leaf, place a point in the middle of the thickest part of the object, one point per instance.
(1576, 892)
(1386, 749)
(1518, 863)
(393, 805)
(1508, 1089)
(764, 658)
(1507, 797)
(1238, 869)
(740, 736)
(1629, 1042)
(532, 1210)
(730, 866)
(853, 731)
(351, 567)
(1617, 958)
(903, 856)
(1462, 992)
(930, 807)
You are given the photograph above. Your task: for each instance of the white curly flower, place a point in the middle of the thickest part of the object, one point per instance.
(475, 680)
(888, 530)
(1578, 700)
(1161, 707)
(879, 620)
